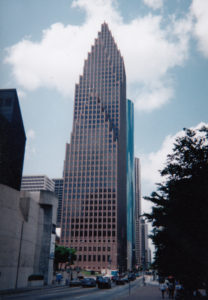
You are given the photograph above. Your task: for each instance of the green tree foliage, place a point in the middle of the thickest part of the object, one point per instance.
(64, 255)
(180, 212)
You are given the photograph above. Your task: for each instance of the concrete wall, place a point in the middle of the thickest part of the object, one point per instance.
(26, 220)
(10, 231)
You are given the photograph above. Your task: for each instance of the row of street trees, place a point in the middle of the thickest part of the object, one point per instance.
(180, 212)
(63, 255)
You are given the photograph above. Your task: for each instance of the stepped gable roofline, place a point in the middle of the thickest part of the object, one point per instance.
(104, 27)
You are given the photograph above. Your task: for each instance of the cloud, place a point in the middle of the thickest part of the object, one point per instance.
(150, 51)
(199, 10)
(150, 99)
(155, 4)
(21, 93)
(30, 149)
(30, 134)
(152, 162)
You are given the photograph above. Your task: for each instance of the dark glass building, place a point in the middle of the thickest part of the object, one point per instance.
(131, 224)
(59, 193)
(12, 139)
(94, 194)
(138, 240)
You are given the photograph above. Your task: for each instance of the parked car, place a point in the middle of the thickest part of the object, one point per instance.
(104, 282)
(132, 277)
(113, 278)
(120, 281)
(126, 279)
(74, 282)
(98, 279)
(88, 282)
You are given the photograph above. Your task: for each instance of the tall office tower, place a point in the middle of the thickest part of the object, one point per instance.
(59, 193)
(145, 245)
(94, 197)
(12, 139)
(131, 222)
(34, 183)
(138, 245)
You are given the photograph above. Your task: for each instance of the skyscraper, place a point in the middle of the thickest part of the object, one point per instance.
(138, 241)
(130, 186)
(12, 139)
(59, 193)
(145, 245)
(94, 195)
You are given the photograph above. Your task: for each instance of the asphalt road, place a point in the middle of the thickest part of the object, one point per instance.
(66, 293)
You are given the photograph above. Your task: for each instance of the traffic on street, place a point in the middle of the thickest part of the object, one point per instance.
(87, 289)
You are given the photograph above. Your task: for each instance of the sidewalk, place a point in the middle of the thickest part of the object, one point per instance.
(148, 292)
(28, 289)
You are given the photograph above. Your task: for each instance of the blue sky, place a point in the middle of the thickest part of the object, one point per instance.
(43, 44)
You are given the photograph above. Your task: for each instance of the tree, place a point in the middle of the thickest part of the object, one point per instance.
(64, 255)
(180, 212)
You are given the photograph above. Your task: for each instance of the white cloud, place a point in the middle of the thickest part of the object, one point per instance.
(150, 52)
(21, 93)
(30, 149)
(155, 4)
(30, 134)
(199, 10)
(150, 99)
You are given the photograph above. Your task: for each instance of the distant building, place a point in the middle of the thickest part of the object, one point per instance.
(130, 185)
(145, 245)
(138, 244)
(37, 183)
(59, 193)
(27, 235)
(12, 139)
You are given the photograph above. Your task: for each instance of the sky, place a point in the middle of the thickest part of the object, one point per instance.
(43, 44)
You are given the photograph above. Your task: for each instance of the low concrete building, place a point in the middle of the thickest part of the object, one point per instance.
(34, 183)
(27, 236)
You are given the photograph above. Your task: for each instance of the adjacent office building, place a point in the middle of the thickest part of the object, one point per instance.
(145, 251)
(131, 224)
(27, 235)
(34, 183)
(37, 183)
(138, 243)
(94, 195)
(59, 193)
(12, 141)
(27, 219)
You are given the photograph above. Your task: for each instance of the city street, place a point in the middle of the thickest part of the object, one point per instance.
(137, 291)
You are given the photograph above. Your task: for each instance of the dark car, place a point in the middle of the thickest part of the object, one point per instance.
(120, 281)
(88, 282)
(104, 282)
(74, 282)
(126, 279)
(99, 279)
(132, 277)
(113, 278)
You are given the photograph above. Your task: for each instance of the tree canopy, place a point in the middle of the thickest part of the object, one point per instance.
(180, 212)
(64, 255)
